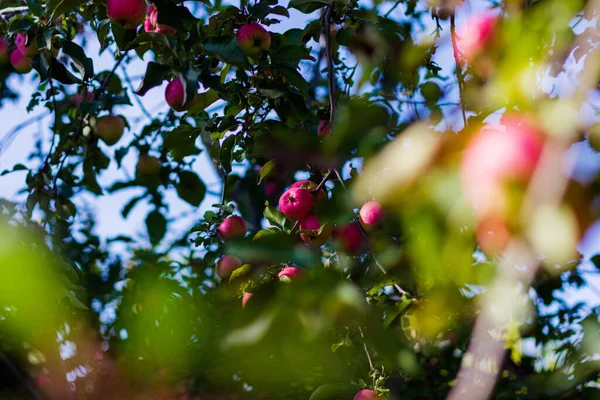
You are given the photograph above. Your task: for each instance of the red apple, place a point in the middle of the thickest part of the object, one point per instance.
(246, 298)
(77, 99)
(4, 53)
(312, 223)
(291, 274)
(128, 14)
(296, 203)
(20, 63)
(233, 227)
(310, 185)
(477, 32)
(349, 237)
(323, 129)
(28, 50)
(226, 265)
(148, 165)
(110, 129)
(176, 95)
(371, 214)
(494, 158)
(367, 394)
(253, 39)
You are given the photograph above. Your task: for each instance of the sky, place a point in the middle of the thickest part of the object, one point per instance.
(107, 208)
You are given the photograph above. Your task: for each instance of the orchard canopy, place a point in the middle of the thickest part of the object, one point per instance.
(305, 199)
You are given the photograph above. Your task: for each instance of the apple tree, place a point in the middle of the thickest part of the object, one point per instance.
(380, 199)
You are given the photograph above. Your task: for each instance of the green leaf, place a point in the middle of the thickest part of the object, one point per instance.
(596, 260)
(84, 64)
(156, 224)
(58, 7)
(123, 37)
(307, 6)
(35, 7)
(190, 188)
(129, 206)
(155, 75)
(242, 271)
(19, 25)
(181, 141)
(275, 216)
(61, 73)
(266, 170)
(294, 78)
(226, 49)
(203, 101)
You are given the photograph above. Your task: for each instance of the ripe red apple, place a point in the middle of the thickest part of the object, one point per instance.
(494, 158)
(296, 203)
(312, 223)
(371, 214)
(310, 185)
(291, 273)
(110, 129)
(226, 265)
(4, 53)
(176, 95)
(253, 39)
(367, 394)
(20, 63)
(151, 23)
(349, 237)
(477, 32)
(233, 227)
(148, 165)
(28, 51)
(246, 298)
(77, 98)
(128, 14)
(323, 129)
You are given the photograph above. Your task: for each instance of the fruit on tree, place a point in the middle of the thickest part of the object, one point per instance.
(4, 53)
(295, 203)
(310, 185)
(246, 298)
(476, 34)
(20, 63)
(367, 394)
(148, 165)
(226, 265)
(312, 223)
(493, 158)
(28, 50)
(128, 14)
(176, 95)
(291, 274)
(233, 227)
(151, 23)
(323, 129)
(371, 213)
(110, 128)
(253, 39)
(349, 237)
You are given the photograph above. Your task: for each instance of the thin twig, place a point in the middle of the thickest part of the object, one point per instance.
(459, 76)
(56, 121)
(120, 59)
(9, 10)
(330, 68)
(371, 366)
(9, 137)
(387, 14)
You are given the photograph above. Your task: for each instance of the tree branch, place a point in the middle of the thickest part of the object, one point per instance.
(459, 75)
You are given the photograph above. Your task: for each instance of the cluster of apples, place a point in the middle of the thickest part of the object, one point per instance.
(298, 204)
(20, 57)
